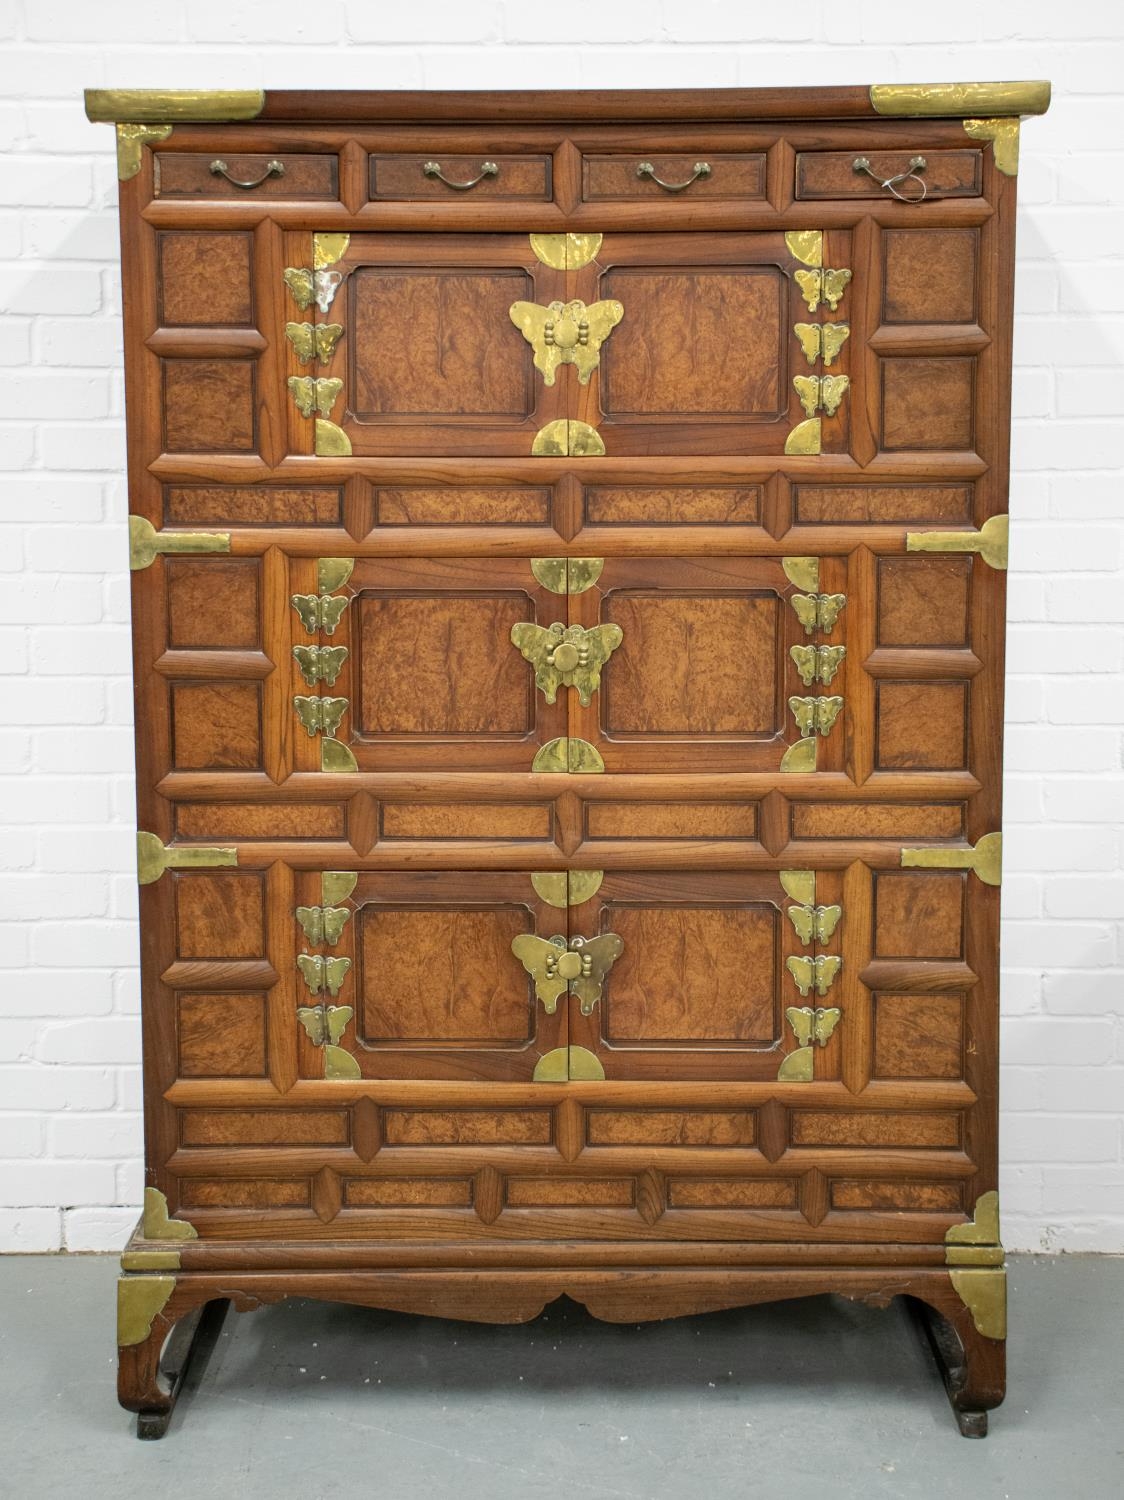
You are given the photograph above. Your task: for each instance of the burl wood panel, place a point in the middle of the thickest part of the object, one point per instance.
(442, 975)
(608, 178)
(691, 664)
(696, 342)
(261, 820)
(213, 603)
(216, 726)
(929, 275)
(923, 601)
(918, 1036)
(935, 1129)
(927, 403)
(519, 177)
(245, 1192)
(205, 279)
(209, 405)
(467, 1127)
(264, 1127)
(679, 505)
(922, 726)
(462, 505)
(919, 914)
(899, 1197)
(670, 1127)
(184, 174)
(441, 665)
(570, 1192)
(883, 504)
(693, 973)
(408, 1192)
(221, 1036)
(466, 820)
(462, 357)
(832, 174)
(670, 820)
(219, 914)
(858, 820)
(731, 1192)
(252, 505)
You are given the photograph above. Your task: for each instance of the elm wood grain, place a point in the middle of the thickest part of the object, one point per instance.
(205, 279)
(221, 1035)
(265, 505)
(187, 174)
(918, 1037)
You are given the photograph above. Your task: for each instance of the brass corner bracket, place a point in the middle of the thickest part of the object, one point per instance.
(157, 1223)
(131, 141)
(990, 542)
(139, 1300)
(974, 1255)
(1004, 137)
(146, 543)
(984, 858)
(154, 857)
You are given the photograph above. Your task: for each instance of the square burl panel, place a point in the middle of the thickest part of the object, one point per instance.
(696, 342)
(437, 343)
(692, 664)
(219, 915)
(221, 1036)
(922, 726)
(693, 973)
(442, 975)
(204, 279)
(919, 915)
(923, 601)
(213, 603)
(918, 1036)
(216, 726)
(929, 275)
(442, 664)
(209, 405)
(927, 403)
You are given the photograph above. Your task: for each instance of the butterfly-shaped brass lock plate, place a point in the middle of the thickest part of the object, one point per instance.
(567, 655)
(566, 333)
(578, 967)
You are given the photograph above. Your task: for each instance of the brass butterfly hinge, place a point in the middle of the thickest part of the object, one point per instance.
(565, 252)
(325, 1025)
(821, 392)
(306, 287)
(313, 342)
(974, 1254)
(984, 859)
(314, 395)
(320, 611)
(566, 333)
(322, 924)
(814, 973)
(139, 1300)
(146, 543)
(818, 611)
(990, 542)
(321, 974)
(567, 655)
(131, 141)
(814, 923)
(812, 1028)
(566, 753)
(154, 857)
(569, 1065)
(562, 888)
(568, 438)
(567, 575)
(822, 340)
(578, 967)
(320, 663)
(815, 715)
(822, 285)
(320, 715)
(817, 663)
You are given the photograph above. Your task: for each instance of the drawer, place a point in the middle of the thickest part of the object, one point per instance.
(189, 174)
(646, 175)
(441, 176)
(832, 174)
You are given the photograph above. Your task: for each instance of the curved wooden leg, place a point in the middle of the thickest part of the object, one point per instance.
(151, 1364)
(972, 1365)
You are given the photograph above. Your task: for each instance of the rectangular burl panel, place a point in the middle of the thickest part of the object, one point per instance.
(209, 406)
(251, 505)
(918, 1036)
(929, 275)
(923, 601)
(927, 403)
(213, 603)
(204, 279)
(679, 505)
(922, 726)
(221, 1035)
(216, 726)
(461, 505)
(918, 914)
(219, 914)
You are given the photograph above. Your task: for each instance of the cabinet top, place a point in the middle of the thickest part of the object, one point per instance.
(364, 106)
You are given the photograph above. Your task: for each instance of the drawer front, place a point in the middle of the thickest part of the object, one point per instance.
(633, 175)
(416, 176)
(189, 174)
(832, 174)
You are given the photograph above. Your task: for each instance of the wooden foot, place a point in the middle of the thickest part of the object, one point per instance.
(972, 1367)
(151, 1373)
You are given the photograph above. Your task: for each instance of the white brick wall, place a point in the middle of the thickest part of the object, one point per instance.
(69, 1037)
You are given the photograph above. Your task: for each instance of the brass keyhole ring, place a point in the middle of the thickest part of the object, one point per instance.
(917, 165)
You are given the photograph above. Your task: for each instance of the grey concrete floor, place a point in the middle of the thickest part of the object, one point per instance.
(313, 1401)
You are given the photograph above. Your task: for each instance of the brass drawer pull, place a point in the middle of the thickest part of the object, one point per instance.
(916, 167)
(646, 169)
(273, 169)
(487, 169)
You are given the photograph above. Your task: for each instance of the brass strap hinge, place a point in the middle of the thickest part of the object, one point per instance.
(146, 543)
(990, 542)
(154, 857)
(984, 859)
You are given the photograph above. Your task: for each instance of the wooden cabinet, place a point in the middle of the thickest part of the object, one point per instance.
(568, 536)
